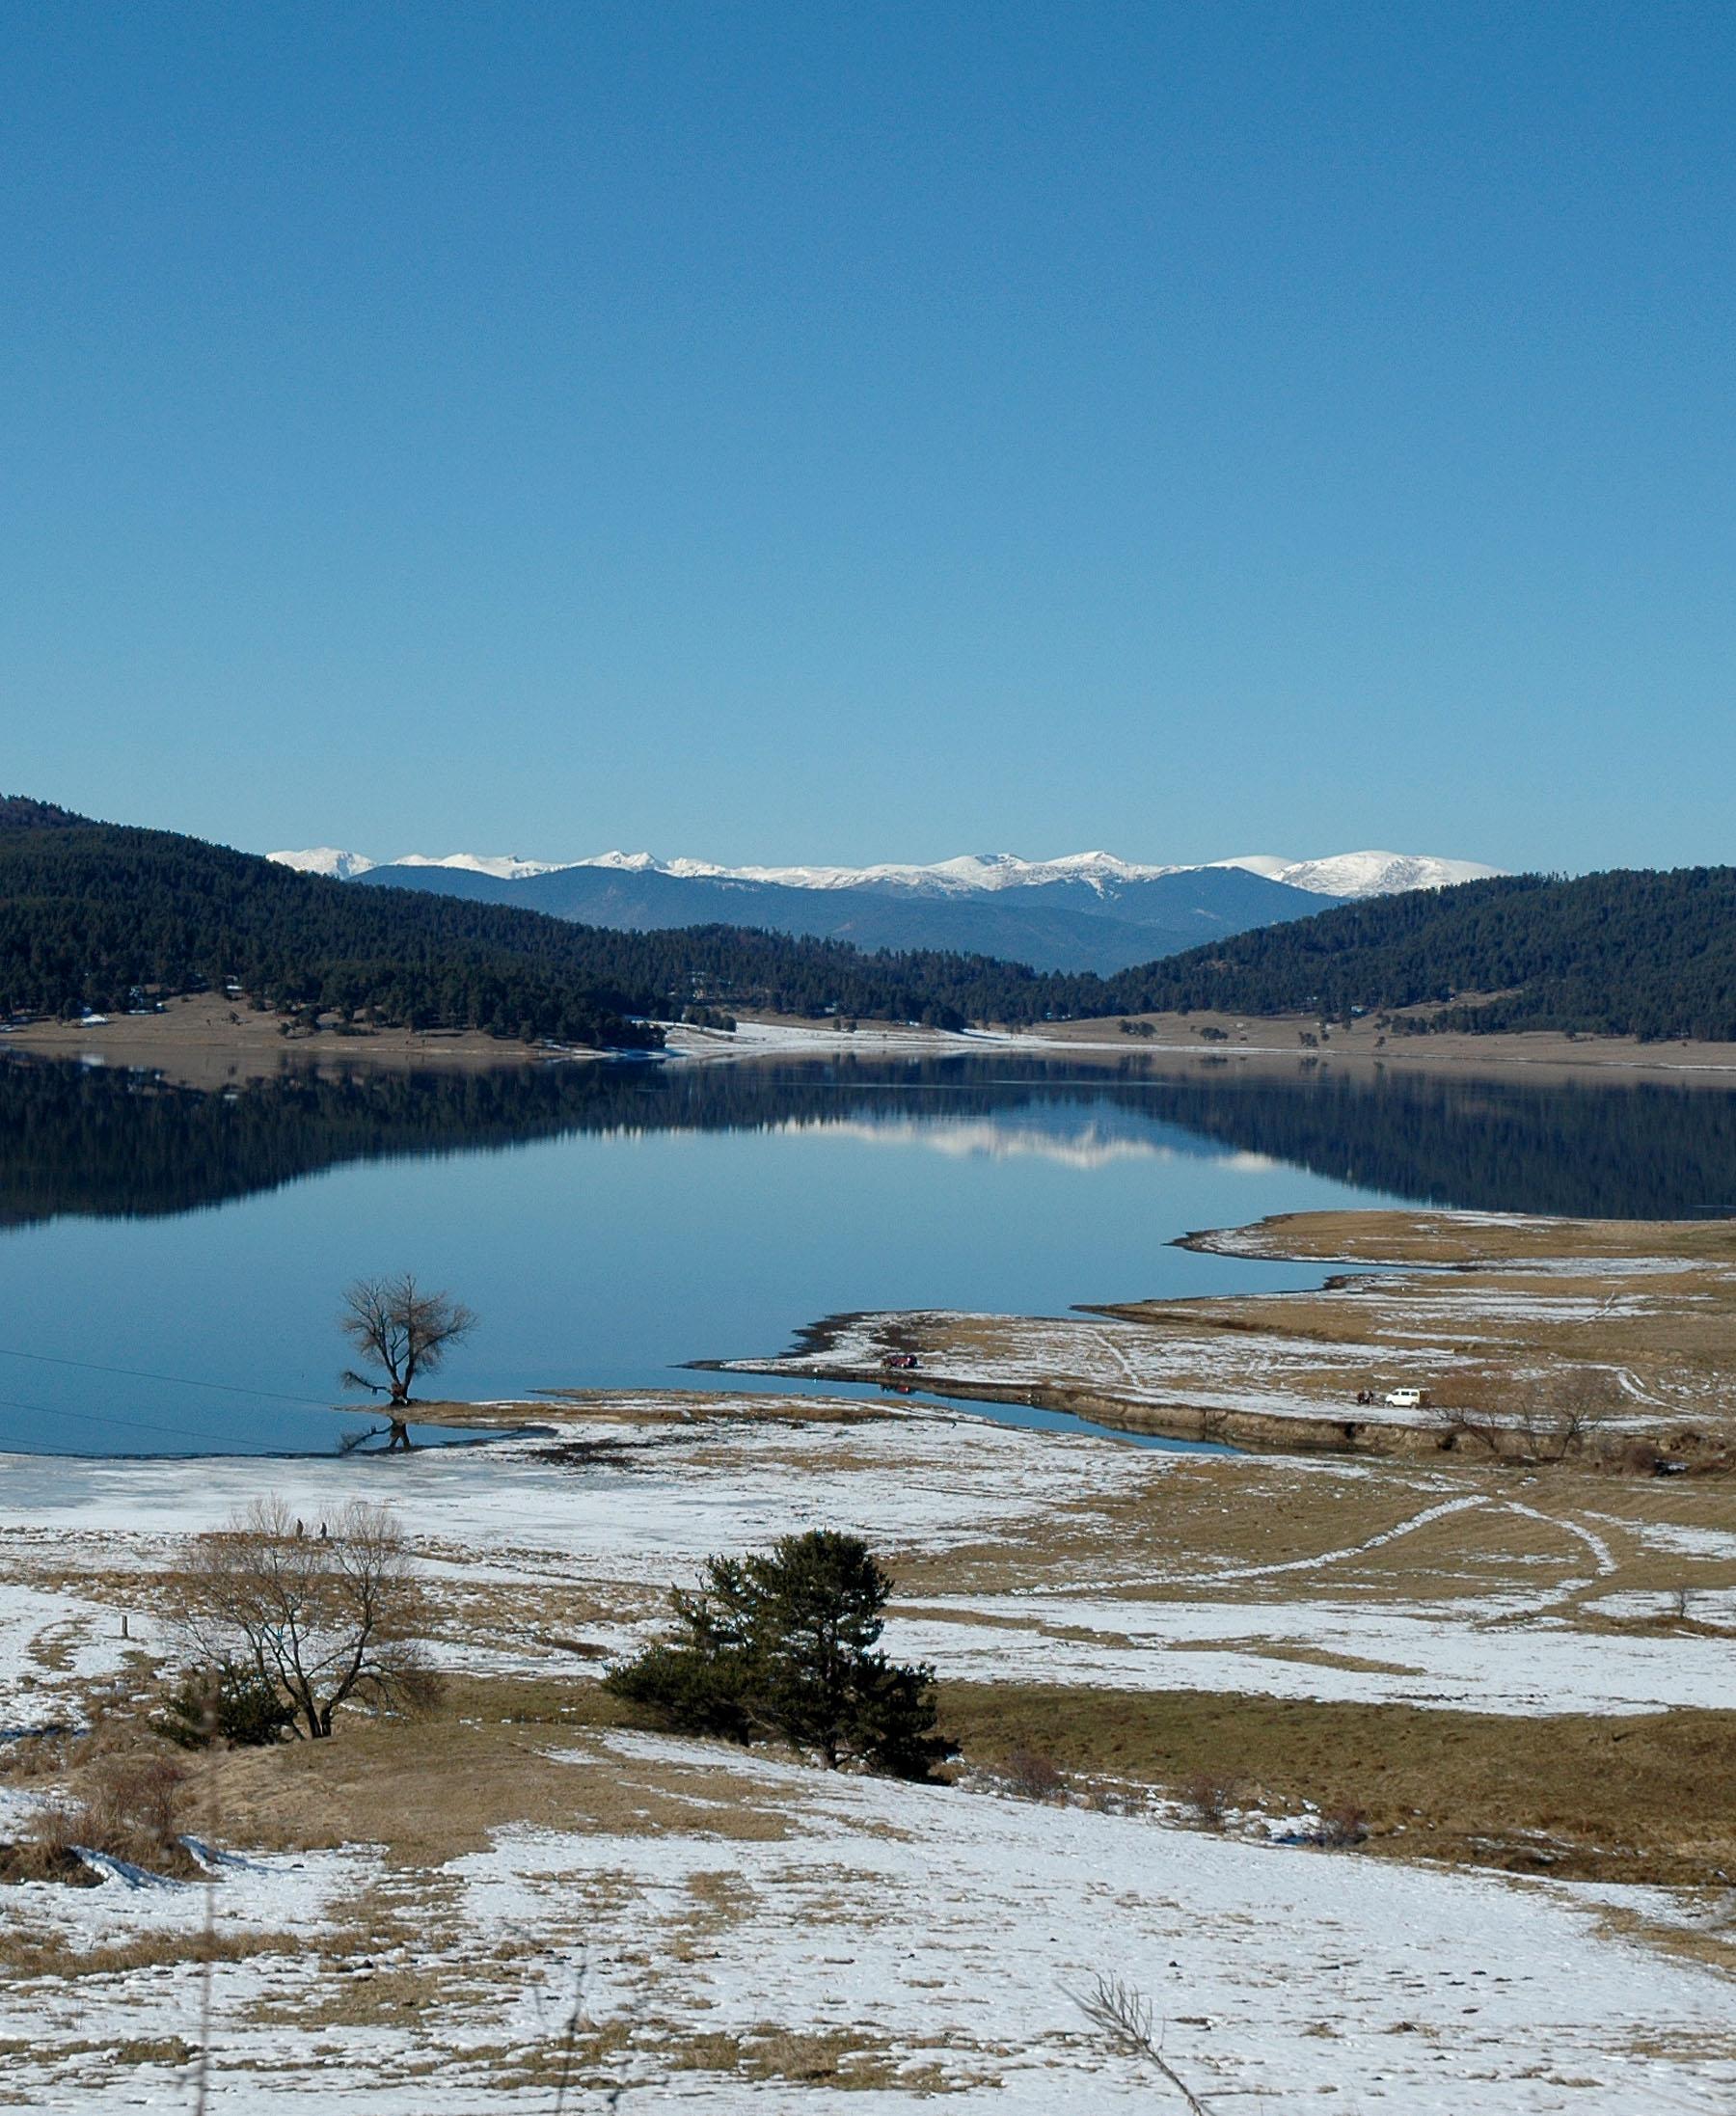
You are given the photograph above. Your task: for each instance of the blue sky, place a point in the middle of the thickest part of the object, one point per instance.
(791, 432)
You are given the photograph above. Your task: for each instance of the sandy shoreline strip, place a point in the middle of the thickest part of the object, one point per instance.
(210, 1040)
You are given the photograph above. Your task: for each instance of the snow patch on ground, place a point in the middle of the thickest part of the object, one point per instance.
(946, 1932)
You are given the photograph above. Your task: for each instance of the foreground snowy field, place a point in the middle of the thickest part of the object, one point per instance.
(772, 1934)
(417, 1911)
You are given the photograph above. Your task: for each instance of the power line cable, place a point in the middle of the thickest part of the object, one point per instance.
(96, 1417)
(179, 1382)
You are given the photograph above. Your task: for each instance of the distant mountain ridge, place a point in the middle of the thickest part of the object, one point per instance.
(1085, 912)
(1335, 875)
(101, 918)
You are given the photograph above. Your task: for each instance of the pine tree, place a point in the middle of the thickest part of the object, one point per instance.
(786, 1644)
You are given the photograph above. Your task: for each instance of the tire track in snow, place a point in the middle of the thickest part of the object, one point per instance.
(1355, 1549)
(1602, 1553)
(1308, 1565)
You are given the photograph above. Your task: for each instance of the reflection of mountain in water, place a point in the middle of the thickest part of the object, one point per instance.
(113, 1144)
(1057, 1129)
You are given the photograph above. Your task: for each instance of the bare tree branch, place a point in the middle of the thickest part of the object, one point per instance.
(1123, 2017)
(403, 1332)
(319, 1619)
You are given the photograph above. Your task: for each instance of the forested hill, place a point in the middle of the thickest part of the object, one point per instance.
(91, 913)
(1619, 954)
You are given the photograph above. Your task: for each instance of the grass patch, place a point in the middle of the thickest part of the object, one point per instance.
(1649, 1798)
(495, 1753)
(26, 1954)
(847, 2058)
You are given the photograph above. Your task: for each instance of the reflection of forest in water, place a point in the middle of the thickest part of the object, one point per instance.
(111, 1143)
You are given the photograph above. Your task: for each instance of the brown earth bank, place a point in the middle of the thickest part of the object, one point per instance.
(1531, 1342)
(1647, 1800)
(1642, 1799)
(1263, 1040)
(210, 1041)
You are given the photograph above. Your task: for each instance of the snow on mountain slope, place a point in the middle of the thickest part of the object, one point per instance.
(1337, 874)
(326, 860)
(504, 866)
(967, 873)
(1272, 866)
(1373, 874)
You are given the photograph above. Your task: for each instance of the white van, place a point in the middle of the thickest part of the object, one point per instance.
(1405, 1399)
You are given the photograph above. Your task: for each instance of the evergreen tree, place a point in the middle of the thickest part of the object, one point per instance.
(786, 1644)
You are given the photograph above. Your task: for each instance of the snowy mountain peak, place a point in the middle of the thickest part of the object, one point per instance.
(326, 860)
(502, 866)
(1271, 865)
(630, 863)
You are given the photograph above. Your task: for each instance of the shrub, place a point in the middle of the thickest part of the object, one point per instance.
(130, 1805)
(221, 1702)
(784, 1644)
(1032, 1775)
(1209, 1798)
(1340, 1828)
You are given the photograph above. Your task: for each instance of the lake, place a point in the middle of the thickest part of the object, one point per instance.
(610, 1222)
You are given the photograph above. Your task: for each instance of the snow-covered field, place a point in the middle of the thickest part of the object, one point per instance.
(930, 1941)
(1464, 1593)
(751, 1933)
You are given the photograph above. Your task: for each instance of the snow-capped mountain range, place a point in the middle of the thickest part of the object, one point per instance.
(1086, 911)
(1336, 875)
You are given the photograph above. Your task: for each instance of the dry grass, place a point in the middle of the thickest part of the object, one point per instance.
(656, 1412)
(28, 1952)
(1182, 1528)
(134, 1804)
(837, 2058)
(1646, 1798)
(1267, 1044)
(1468, 1240)
(497, 1753)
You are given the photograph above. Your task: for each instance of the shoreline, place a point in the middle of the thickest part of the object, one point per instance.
(1200, 1424)
(1536, 1343)
(205, 1041)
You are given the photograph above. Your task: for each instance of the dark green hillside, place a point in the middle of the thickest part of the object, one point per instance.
(91, 912)
(1620, 953)
(18, 812)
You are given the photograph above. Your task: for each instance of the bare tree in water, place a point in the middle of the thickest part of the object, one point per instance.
(401, 1332)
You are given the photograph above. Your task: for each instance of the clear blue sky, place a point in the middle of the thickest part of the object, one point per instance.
(807, 431)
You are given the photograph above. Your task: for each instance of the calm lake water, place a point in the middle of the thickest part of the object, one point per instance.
(610, 1222)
